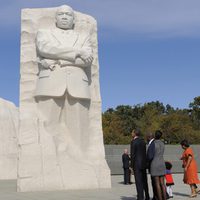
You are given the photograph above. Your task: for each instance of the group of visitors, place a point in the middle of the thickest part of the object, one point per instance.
(143, 157)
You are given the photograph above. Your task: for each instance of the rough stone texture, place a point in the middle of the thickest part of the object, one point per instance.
(8, 142)
(40, 167)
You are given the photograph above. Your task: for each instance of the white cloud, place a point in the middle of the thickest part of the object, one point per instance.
(150, 17)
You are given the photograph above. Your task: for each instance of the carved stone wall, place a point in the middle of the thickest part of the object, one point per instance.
(9, 117)
(40, 167)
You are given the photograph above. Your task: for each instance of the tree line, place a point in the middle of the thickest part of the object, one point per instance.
(176, 124)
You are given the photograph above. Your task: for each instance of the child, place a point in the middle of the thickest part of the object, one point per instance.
(169, 179)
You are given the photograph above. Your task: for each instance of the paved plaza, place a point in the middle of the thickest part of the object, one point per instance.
(119, 191)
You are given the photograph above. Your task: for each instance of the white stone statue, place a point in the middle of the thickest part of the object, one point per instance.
(63, 55)
(9, 117)
(60, 138)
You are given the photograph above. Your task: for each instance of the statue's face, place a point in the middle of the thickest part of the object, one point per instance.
(65, 18)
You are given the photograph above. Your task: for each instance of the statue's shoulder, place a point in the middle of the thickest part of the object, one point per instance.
(44, 34)
(44, 30)
(83, 35)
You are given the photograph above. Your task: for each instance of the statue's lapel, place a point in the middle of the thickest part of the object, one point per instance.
(67, 38)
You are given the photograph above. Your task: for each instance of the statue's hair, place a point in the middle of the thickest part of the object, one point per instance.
(64, 7)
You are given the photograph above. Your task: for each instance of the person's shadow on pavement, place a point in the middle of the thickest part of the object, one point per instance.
(180, 194)
(128, 198)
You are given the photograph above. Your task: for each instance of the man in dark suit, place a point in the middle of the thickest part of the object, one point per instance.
(125, 161)
(139, 164)
(150, 155)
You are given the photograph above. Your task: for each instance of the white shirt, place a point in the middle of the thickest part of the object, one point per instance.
(150, 142)
(135, 137)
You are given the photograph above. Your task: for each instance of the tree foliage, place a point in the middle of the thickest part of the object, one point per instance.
(176, 124)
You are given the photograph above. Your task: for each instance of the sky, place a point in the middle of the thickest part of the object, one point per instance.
(149, 50)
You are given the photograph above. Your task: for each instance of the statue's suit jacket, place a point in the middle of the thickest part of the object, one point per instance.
(58, 47)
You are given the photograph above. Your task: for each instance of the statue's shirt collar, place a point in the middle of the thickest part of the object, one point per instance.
(65, 36)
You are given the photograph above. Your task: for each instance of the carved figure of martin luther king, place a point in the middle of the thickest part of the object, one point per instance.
(60, 137)
(62, 89)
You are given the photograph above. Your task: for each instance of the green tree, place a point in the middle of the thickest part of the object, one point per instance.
(195, 112)
(176, 124)
(150, 114)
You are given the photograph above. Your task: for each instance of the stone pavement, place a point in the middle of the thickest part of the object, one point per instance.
(117, 192)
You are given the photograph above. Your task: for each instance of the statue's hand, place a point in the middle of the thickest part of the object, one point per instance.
(48, 63)
(52, 67)
(86, 57)
(44, 63)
